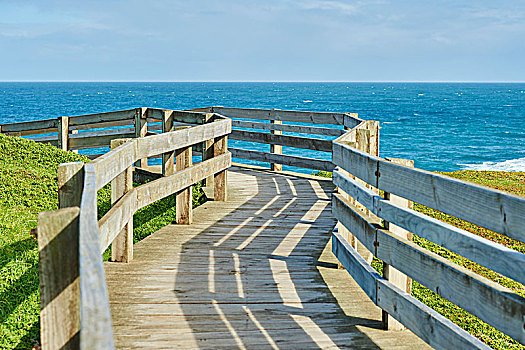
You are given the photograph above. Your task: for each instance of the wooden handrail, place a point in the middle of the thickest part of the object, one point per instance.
(359, 176)
(91, 327)
(502, 212)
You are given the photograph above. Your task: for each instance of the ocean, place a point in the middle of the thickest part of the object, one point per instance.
(441, 126)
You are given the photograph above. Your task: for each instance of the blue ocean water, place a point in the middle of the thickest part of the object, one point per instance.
(441, 126)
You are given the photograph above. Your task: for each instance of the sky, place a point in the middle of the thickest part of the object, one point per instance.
(267, 40)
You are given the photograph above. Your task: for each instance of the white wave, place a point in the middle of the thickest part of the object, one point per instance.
(421, 94)
(517, 164)
(308, 101)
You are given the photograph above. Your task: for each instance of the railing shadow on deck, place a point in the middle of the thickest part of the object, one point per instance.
(260, 281)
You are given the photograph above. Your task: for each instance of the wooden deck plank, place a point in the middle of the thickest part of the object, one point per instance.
(253, 272)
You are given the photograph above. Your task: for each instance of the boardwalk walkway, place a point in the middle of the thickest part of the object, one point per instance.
(253, 272)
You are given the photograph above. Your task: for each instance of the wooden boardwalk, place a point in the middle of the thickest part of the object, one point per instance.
(253, 272)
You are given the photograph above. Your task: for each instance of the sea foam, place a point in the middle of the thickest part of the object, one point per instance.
(517, 164)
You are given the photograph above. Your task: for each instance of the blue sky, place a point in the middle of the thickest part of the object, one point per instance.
(270, 40)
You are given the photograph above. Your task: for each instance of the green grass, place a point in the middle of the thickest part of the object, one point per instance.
(513, 182)
(28, 185)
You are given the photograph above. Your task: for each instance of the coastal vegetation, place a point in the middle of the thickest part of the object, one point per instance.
(513, 182)
(28, 185)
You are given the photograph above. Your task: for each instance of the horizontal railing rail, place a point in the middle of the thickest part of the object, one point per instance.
(266, 127)
(383, 227)
(259, 126)
(80, 302)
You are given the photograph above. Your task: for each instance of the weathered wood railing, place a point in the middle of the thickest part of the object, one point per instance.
(369, 224)
(266, 127)
(74, 302)
(93, 131)
(360, 209)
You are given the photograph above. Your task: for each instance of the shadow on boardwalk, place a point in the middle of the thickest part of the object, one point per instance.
(253, 272)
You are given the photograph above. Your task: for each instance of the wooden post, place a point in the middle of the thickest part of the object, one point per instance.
(221, 179)
(184, 198)
(122, 246)
(70, 183)
(363, 144)
(393, 275)
(74, 132)
(59, 279)
(277, 149)
(141, 129)
(63, 133)
(207, 152)
(168, 159)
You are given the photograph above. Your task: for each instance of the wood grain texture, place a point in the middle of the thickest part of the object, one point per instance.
(168, 158)
(95, 317)
(276, 149)
(494, 304)
(162, 143)
(220, 180)
(184, 198)
(487, 300)
(302, 129)
(163, 187)
(34, 125)
(356, 265)
(283, 140)
(59, 282)
(113, 116)
(496, 210)
(122, 244)
(255, 270)
(390, 273)
(141, 130)
(292, 116)
(492, 255)
(300, 162)
(70, 178)
(428, 324)
(63, 133)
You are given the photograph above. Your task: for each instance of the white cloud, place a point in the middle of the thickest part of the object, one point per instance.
(329, 5)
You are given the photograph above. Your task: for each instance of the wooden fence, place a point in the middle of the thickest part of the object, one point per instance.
(265, 126)
(74, 302)
(370, 224)
(383, 226)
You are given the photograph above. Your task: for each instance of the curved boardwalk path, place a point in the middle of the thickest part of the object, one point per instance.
(253, 272)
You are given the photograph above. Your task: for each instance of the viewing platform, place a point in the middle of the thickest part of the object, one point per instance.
(274, 259)
(253, 272)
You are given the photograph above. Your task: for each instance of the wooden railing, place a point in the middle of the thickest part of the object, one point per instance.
(74, 301)
(266, 127)
(383, 225)
(94, 131)
(369, 224)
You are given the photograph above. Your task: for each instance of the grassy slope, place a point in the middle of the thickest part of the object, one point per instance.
(28, 185)
(513, 182)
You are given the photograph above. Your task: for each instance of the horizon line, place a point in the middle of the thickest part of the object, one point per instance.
(266, 81)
